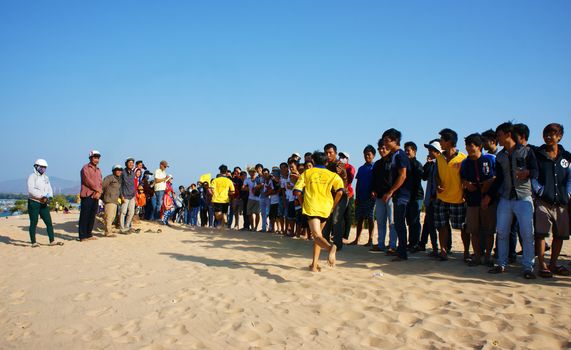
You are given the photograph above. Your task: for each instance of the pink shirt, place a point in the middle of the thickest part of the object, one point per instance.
(91, 180)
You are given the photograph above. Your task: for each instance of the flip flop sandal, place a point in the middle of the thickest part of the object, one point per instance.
(35, 245)
(529, 275)
(56, 243)
(545, 273)
(561, 271)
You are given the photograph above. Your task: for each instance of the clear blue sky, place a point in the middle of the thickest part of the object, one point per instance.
(241, 82)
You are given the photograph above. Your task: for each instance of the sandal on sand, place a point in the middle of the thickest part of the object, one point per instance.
(561, 271)
(497, 269)
(545, 273)
(529, 275)
(56, 244)
(35, 245)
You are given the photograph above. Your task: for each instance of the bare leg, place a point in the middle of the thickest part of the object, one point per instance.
(359, 229)
(371, 223)
(540, 250)
(556, 246)
(443, 237)
(466, 241)
(318, 243)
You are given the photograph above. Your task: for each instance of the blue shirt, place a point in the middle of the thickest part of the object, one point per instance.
(477, 171)
(399, 160)
(364, 182)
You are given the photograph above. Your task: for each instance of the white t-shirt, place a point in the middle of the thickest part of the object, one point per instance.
(160, 174)
(285, 183)
(251, 184)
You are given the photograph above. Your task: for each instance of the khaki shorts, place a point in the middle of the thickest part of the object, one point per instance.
(253, 207)
(481, 220)
(551, 218)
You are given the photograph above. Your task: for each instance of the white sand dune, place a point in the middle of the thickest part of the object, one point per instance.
(205, 289)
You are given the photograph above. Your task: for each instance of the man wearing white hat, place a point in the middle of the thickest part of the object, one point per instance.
(39, 193)
(91, 189)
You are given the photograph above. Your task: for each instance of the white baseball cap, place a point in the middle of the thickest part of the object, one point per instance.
(94, 153)
(435, 145)
(41, 162)
(344, 155)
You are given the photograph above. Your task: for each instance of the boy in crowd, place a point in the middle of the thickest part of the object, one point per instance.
(399, 192)
(222, 189)
(336, 222)
(477, 173)
(236, 200)
(490, 142)
(350, 170)
(381, 183)
(317, 184)
(429, 172)
(254, 188)
(364, 202)
(553, 190)
(416, 196)
(516, 165)
(450, 207)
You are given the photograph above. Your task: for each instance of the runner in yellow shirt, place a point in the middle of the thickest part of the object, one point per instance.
(317, 203)
(222, 188)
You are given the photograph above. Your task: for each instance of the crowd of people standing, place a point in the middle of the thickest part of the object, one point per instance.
(502, 191)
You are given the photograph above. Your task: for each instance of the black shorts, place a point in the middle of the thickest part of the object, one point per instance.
(273, 211)
(220, 207)
(304, 223)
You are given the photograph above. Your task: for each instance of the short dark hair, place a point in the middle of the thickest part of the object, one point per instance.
(369, 148)
(490, 135)
(328, 146)
(449, 135)
(259, 166)
(506, 127)
(392, 134)
(522, 130)
(319, 158)
(237, 168)
(265, 170)
(553, 128)
(307, 154)
(309, 161)
(243, 173)
(411, 145)
(223, 169)
(474, 139)
(282, 164)
(292, 161)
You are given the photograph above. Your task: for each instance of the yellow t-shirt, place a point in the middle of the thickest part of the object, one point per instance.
(220, 187)
(316, 184)
(449, 175)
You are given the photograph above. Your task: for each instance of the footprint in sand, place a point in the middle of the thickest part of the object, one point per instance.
(101, 312)
(82, 297)
(117, 295)
(17, 297)
(175, 329)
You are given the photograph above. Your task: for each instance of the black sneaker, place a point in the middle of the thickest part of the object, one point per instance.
(497, 269)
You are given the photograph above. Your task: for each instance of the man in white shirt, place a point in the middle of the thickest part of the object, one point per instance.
(160, 186)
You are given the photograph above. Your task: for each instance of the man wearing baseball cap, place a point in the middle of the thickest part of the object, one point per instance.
(429, 175)
(160, 187)
(110, 197)
(91, 189)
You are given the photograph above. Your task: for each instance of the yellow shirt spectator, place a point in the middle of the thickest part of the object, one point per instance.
(220, 187)
(316, 184)
(449, 175)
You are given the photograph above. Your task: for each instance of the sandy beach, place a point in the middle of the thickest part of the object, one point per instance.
(207, 289)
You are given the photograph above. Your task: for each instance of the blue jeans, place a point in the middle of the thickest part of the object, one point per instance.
(523, 211)
(211, 220)
(157, 203)
(428, 229)
(265, 209)
(193, 221)
(400, 226)
(384, 213)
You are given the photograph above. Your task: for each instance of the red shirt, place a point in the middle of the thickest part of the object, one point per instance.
(91, 180)
(350, 176)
